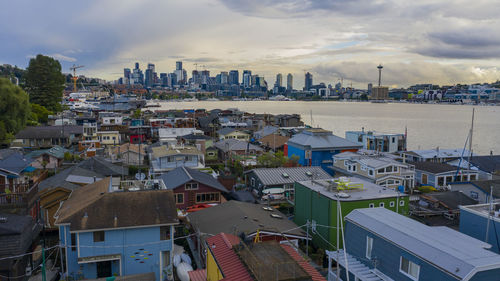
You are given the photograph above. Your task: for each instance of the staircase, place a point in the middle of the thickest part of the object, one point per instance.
(359, 269)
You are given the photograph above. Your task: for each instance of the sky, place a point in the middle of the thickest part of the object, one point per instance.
(417, 41)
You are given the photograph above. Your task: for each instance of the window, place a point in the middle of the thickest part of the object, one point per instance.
(98, 236)
(371, 205)
(390, 182)
(472, 177)
(191, 186)
(370, 172)
(211, 153)
(449, 179)
(381, 204)
(165, 232)
(207, 197)
(474, 195)
(369, 246)
(179, 198)
(391, 204)
(440, 181)
(409, 268)
(73, 241)
(388, 169)
(401, 203)
(354, 168)
(424, 178)
(393, 140)
(252, 182)
(395, 169)
(381, 171)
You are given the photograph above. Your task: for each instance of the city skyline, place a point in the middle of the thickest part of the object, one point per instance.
(424, 42)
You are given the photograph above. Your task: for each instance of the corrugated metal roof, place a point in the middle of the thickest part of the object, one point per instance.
(450, 250)
(236, 145)
(322, 140)
(198, 275)
(278, 176)
(315, 275)
(221, 246)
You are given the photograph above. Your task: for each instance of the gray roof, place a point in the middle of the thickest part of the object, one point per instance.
(225, 131)
(439, 153)
(244, 217)
(56, 151)
(370, 191)
(278, 176)
(321, 139)
(47, 132)
(487, 163)
(485, 186)
(236, 145)
(15, 224)
(102, 166)
(267, 130)
(434, 167)
(445, 248)
(61, 179)
(13, 161)
(182, 175)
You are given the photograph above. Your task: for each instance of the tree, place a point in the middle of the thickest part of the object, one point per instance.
(44, 82)
(40, 114)
(14, 108)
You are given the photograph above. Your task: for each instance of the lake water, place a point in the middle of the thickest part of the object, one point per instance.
(429, 125)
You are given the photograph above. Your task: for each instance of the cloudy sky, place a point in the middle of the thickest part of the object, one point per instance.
(424, 41)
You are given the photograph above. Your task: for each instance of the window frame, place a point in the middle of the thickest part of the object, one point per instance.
(97, 236)
(165, 233)
(392, 204)
(407, 274)
(369, 242)
(381, 204)
(371, 205)
(401, 203)
(191, 184)
(176, 198)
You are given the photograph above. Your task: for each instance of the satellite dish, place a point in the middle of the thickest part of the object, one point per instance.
(140, 176)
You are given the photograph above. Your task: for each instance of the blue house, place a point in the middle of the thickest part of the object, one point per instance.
(383, 245)
(440, 175)
(119, 233)
(474, 220)
(315, 147)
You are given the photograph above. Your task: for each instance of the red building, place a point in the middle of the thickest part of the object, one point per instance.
(192, 187)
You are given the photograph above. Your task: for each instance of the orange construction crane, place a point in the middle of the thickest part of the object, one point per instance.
(74, 68)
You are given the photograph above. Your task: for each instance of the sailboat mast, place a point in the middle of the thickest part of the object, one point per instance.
(470, 139)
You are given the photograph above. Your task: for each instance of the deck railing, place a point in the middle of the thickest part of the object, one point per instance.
(21, 193)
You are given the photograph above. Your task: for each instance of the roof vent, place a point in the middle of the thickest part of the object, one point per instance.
(267, 208)
(3, 219)
(285, 175)
(309, 174)
(276, 216)
(342, 195)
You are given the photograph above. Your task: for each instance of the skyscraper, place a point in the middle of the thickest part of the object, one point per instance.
(126, 76)
(289, 82)
(234, 77)
(136, 65)
(150, 77)
(308, 81)
(205, 76)
(247, 78)
(279, 80)
(178, 65)
(224, 77)
(196, 77)
(137, 76)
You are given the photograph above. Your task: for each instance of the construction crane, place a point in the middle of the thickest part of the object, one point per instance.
(74, 68)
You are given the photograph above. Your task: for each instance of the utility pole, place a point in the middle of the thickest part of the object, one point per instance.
(470, 139)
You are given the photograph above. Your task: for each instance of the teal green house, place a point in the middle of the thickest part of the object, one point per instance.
(316, 202)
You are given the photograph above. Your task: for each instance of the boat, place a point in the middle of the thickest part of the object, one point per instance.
(182, 271)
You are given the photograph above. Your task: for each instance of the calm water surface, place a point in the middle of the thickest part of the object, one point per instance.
(429, 125)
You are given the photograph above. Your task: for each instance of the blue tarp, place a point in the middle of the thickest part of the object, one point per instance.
(29, 169)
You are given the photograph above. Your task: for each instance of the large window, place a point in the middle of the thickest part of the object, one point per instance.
(369, 246)
(98, 236)
(409, 268)
(73, 241)
(179, 198)
(191, 186)
(207, 197)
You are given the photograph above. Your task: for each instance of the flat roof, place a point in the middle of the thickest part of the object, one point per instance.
(367, 192)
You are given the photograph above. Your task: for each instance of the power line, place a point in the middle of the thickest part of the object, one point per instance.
(38, 251)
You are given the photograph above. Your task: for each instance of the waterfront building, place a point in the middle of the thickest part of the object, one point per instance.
(379, 93)
(488, 166)
(474, 220)
(315, 147)
(381, 142)
(379, 169)
(435, 155)
(439, 175)
(316, 202)
(103, 235)
(481, 190)
(383, 243)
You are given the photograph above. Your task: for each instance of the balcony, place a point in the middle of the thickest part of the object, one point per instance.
(21, 194)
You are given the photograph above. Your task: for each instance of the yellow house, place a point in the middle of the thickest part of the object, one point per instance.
(109, 137)
(230, 133)
(222, 261)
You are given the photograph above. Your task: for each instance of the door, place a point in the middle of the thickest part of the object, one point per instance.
(104, 269)
(424, 178)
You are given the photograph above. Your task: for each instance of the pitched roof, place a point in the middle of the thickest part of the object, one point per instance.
(450, 199)
(321, 139)
(129, 147)
(274, 141)
(55, 151)
(104, 167)
(13, 161)
(278, 176)
(445, 248)
(242, 217)
(439, 153)
(236, 145)
(47, 132)
(63, 178)
(161, 151)
(267, 130)
(181, 175)
(15, 224)
(198, 275)
(315, 275)
(485, 185)
(487, 163)
(93, 207)
(225, 131)
(221, 246)
(433, 167)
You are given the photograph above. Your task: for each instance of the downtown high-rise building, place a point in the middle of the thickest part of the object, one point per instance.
(137, 76)
(150, 75)
(247, 78)
(127, 74)
(178, 65)
(224, 77)
(308, 81)
(196, 77)
(279, 80)
(205, 76)
(234, 77)
(289, 82)
(180, 73)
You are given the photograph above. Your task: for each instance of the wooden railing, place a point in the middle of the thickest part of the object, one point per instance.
(21, 193)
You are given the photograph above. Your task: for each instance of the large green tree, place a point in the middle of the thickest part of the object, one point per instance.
(44, 82)
(14, 108)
